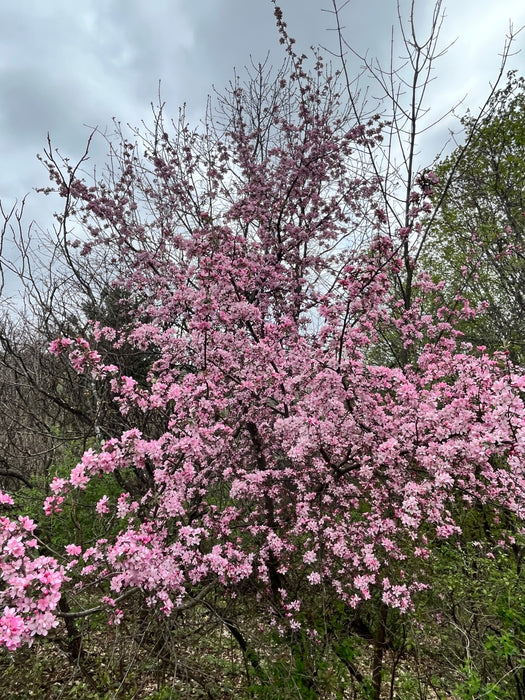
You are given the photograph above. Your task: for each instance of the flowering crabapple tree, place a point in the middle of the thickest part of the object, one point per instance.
(282, 458)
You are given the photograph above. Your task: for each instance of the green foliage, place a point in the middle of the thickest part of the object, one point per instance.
(477, 241)
(78, 523)
(473, 619)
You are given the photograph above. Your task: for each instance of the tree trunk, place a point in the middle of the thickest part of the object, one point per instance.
(379, 650)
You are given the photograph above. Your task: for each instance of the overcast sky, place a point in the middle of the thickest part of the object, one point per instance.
(65, 65)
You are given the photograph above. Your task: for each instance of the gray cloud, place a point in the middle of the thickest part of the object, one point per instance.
(64, 65)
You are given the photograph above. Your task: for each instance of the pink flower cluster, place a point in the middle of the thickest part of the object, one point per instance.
(31, 583)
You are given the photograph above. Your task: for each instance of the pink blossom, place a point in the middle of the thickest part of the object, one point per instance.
(73, 549)
(6, 499)
(78, 476)
(57, 485)
(14, 547)
(52, 504)
(12, 629)
(102, 506)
